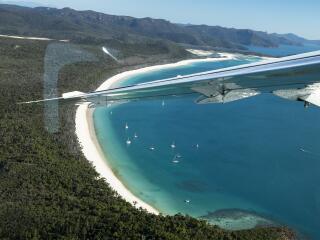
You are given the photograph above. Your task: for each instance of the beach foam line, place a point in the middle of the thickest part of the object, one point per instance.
(91, 147)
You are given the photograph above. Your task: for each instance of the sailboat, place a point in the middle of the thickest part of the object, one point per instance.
(176, 158)
(152, 148)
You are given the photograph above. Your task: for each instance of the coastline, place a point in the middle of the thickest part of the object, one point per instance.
(31, 38)
(91, 148)
(93, 152)
(123, 75)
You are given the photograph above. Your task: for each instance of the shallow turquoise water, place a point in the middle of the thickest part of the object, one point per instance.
(258, 159)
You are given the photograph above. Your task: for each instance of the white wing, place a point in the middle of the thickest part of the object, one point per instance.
(295, 78)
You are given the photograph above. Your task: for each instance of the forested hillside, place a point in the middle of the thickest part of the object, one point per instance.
(90, 26)
(48, 190)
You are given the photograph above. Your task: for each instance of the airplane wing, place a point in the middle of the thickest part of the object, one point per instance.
(295, 78)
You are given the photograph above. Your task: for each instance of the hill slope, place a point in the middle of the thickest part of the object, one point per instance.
(48, 189)
(92, 26)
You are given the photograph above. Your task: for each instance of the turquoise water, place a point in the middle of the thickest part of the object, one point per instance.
(257, 160)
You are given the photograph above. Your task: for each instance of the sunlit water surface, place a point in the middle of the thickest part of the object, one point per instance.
(242, 164)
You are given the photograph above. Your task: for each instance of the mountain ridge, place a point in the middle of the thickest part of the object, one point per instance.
(94, 26)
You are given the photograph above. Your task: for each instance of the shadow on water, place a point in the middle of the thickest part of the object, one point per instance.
(192, 186)
(237, 219)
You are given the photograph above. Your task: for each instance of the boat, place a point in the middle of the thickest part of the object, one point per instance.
(126, 126)
(173, 145)
(176, 157)
(128, 141)
(135, 135)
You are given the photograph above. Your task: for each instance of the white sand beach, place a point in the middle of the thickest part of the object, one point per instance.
(90, 146)
(201, 53)
(93, 152)
(31, 38)
(124, 75)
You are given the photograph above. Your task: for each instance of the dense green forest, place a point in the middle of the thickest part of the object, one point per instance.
(48, 190)
(84, 26)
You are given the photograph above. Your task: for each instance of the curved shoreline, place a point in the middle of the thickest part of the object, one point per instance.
(93, 152)
(91, 148)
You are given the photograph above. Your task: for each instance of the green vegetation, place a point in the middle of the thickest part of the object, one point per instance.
(93, 27)
(48, 190)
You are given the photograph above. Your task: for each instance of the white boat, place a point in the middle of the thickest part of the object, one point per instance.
(152, 148)
(173, 145)
(128, 141)
(135, 135)
(176, 157)
(163, 103)
(126, 126)
(187, 201)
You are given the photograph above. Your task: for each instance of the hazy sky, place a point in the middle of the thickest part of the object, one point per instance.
(298, 16)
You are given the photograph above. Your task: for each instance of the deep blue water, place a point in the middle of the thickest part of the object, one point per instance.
(258, 159)
(284, 50)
